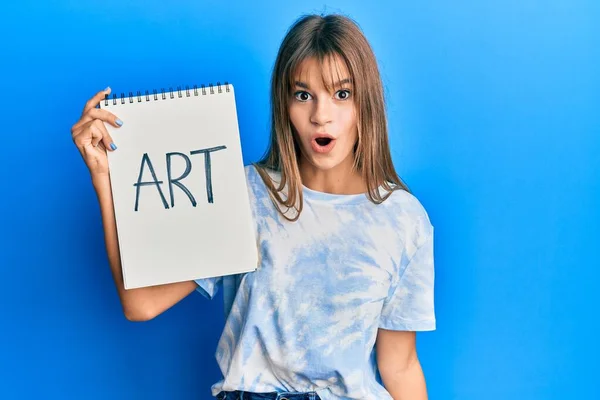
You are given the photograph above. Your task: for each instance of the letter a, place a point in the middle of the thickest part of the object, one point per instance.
(146, 159)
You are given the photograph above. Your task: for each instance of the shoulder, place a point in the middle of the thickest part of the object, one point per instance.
(411, 214)
(256, 182)
(258, 190)
(252, 172)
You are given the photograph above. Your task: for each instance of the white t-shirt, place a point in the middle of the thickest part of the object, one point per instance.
(307, 318)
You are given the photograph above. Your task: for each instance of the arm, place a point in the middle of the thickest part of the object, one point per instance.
(399, 365)
(140, 304)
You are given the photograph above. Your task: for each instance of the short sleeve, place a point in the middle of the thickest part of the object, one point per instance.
(409, 305)
(208, 287)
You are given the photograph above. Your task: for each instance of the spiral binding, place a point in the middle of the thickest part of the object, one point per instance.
(171, 93)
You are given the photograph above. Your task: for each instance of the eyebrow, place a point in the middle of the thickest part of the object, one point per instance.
(305, 85)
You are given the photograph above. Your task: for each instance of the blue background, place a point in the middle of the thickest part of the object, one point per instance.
(494, 124)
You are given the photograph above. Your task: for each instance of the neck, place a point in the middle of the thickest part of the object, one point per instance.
(337, 180)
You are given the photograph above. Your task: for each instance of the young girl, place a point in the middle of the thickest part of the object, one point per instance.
(346, 270)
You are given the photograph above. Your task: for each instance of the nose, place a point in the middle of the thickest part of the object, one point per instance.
(321, 112)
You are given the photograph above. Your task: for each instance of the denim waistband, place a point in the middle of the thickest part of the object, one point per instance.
(243, 395)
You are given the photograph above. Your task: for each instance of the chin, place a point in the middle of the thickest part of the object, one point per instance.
(325, 163)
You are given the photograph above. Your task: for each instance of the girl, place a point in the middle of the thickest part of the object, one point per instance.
(346, 271)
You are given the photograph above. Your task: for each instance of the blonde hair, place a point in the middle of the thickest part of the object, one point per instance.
(325, 37)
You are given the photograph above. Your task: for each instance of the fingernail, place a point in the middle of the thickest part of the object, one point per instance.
(107, 89)
(113, 146)
(119, 122)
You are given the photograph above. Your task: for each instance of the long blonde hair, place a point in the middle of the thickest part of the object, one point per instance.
(325, 37)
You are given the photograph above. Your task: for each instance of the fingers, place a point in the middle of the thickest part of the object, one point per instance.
(94, 101)
(104, 115)
(91, 112)
(90, 129)
(94, 133)
(101, 134)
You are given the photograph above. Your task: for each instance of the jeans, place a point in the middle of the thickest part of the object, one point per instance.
(242, 395)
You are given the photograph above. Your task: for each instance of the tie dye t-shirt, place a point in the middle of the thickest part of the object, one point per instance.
(307, 318)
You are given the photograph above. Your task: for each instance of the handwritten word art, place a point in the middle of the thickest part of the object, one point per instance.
(146, 162)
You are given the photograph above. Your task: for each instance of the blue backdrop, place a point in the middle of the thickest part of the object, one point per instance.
(494, 124)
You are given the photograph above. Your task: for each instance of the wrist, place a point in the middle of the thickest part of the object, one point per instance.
(100, 181)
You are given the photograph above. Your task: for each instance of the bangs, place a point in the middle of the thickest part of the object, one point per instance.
(332, 64)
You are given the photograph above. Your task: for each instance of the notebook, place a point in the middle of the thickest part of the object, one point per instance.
(179, 187)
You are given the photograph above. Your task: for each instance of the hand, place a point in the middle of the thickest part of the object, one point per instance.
(91, 136)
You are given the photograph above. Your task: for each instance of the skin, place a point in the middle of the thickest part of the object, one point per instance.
(399, 366)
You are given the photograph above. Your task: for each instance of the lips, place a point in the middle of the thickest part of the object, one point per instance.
(322, 142)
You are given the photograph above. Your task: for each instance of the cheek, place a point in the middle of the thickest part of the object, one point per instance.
(296, 117)
(348, 121)
(292, 114)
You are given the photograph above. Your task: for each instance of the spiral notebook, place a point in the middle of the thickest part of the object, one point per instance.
(179, 186)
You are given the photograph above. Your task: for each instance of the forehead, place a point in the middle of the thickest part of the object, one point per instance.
(332, 69)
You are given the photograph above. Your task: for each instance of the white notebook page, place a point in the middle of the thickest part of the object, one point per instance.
(165, 239)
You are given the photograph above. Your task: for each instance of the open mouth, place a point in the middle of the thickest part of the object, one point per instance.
(323, 141)
(323, 144)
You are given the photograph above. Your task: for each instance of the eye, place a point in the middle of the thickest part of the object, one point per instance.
(302, 96)
(345, 92)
